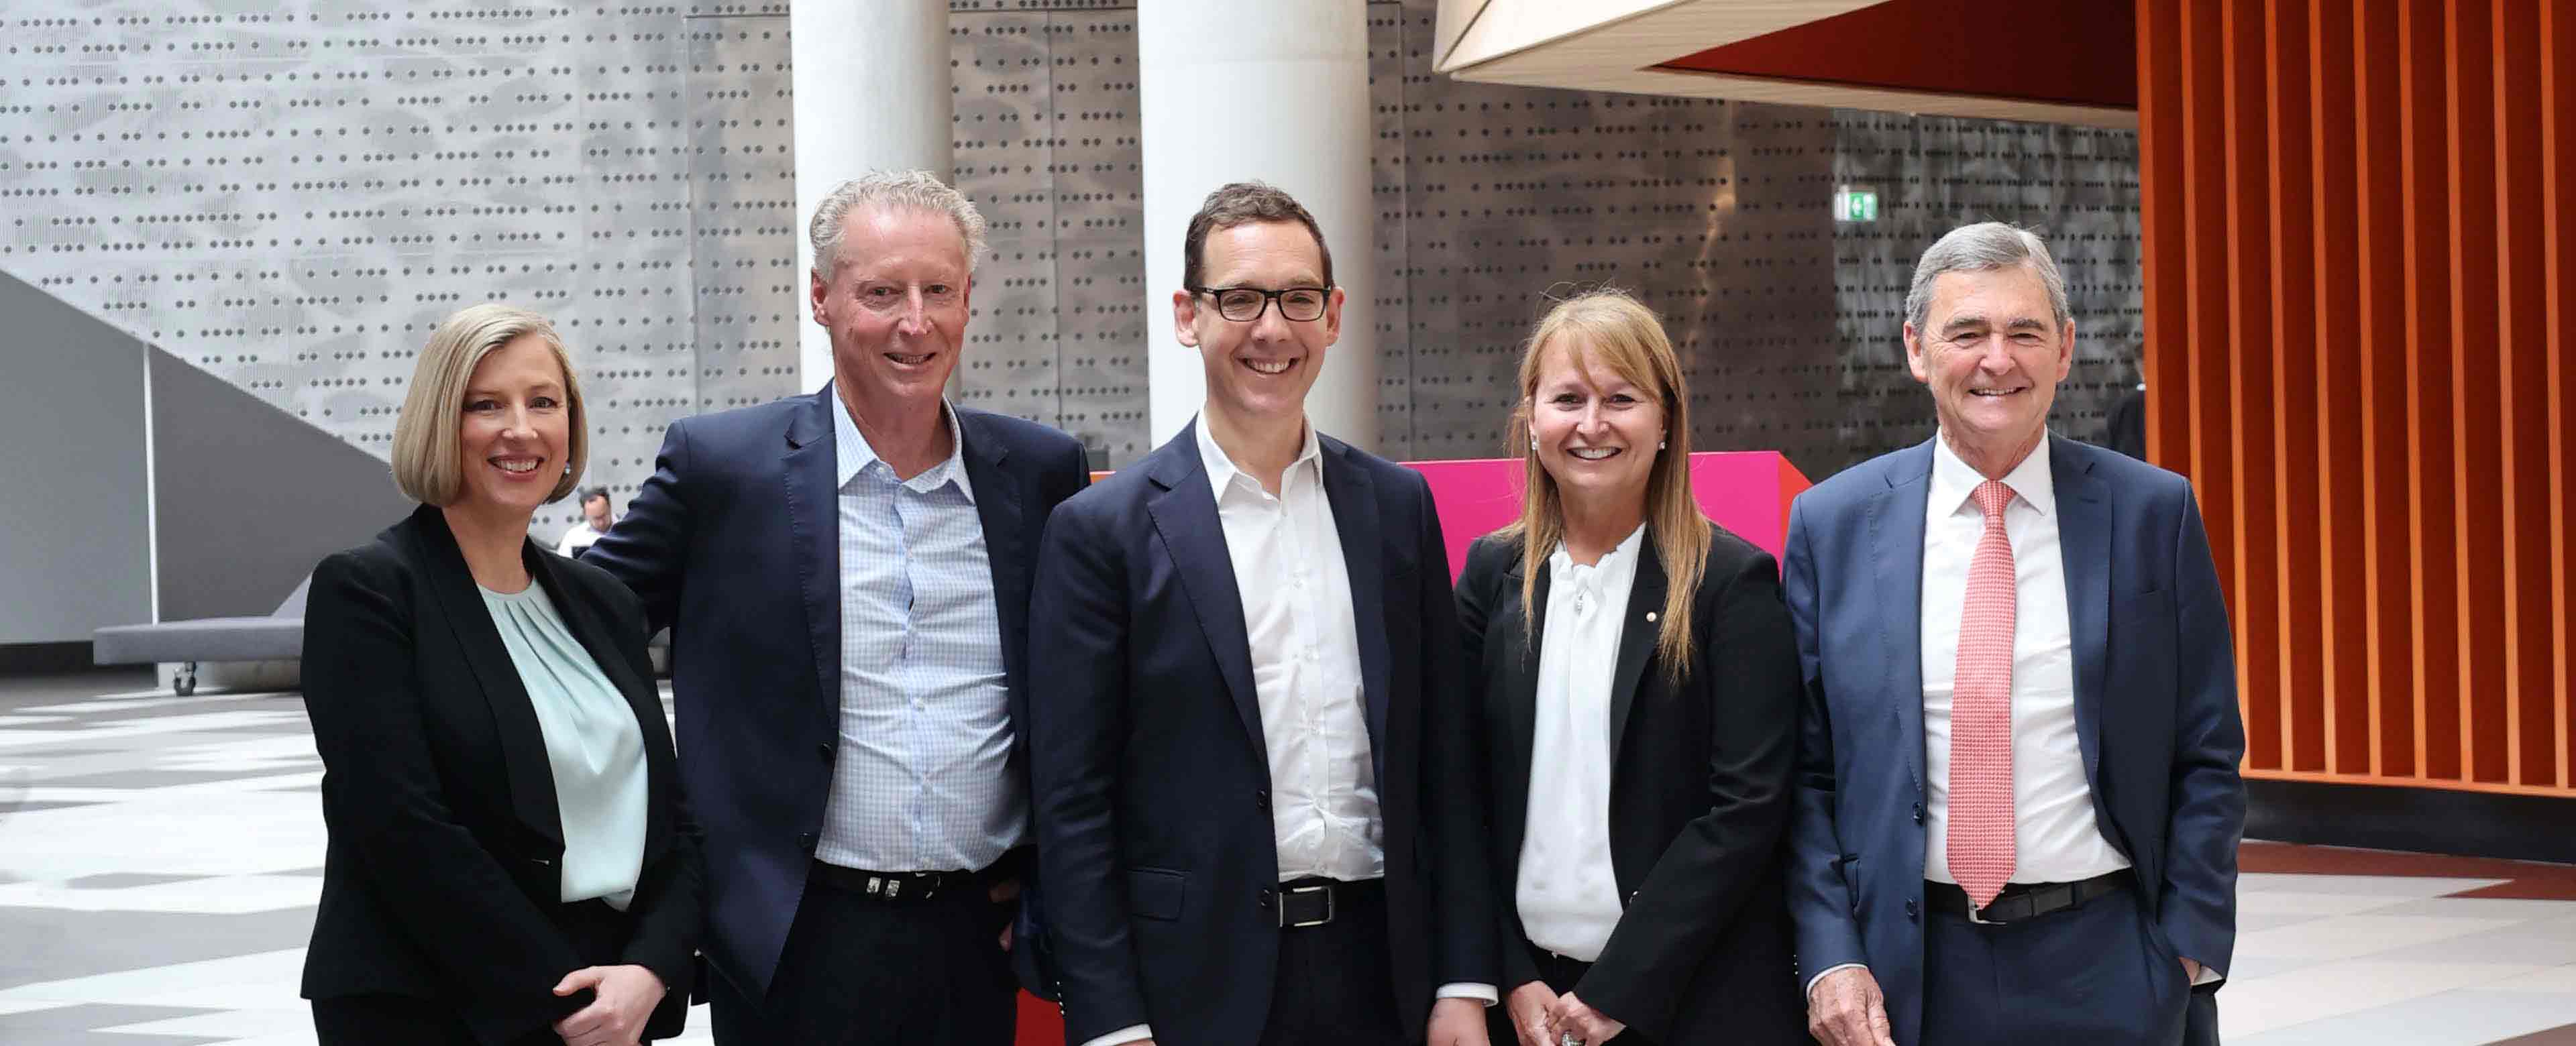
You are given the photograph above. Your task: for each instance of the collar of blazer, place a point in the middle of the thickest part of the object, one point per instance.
(1637, 637)
(814, 521)
(523, 746)
(1184, 510)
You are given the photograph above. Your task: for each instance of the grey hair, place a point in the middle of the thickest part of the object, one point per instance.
(899, 190)
(1984, 247)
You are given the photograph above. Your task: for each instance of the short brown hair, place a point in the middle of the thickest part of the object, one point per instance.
(429, 446)
(1244, 203)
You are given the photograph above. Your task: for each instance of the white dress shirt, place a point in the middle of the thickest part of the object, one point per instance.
(1566, 888)
(1305, 642)
(921, 775)
(581, 536)
(2055, 839)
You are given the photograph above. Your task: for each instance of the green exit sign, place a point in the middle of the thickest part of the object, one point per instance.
(1855, 205)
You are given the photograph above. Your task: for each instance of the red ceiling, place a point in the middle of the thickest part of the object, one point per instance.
(2078, 52)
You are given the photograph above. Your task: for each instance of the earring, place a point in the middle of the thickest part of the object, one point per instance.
(1533, 443)
(1659, 444)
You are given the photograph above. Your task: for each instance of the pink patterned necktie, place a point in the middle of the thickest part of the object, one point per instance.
(1981, 770)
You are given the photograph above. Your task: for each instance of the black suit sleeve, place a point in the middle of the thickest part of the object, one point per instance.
(1480, 593)
(670, 895)
(1748, 671)
(1033, 956)
(1077, 720)
(647, 549)
(381, 797)
(1454, 803)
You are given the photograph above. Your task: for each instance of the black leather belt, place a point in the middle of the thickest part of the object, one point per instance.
(1318, 901)
(2020, 901)
(893, 886)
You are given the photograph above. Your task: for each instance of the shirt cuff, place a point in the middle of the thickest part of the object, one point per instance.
(1484, 993)
(1820, 975)
(1130, 1033)
(2208, 975)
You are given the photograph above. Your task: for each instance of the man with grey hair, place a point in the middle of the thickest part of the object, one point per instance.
(2018, 804)
(846, 576)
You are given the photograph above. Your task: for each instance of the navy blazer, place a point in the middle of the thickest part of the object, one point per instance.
(734, 545)
(443, 874)
(1153, 780)
(2155, 708)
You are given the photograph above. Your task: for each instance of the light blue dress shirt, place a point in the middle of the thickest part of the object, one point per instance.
(593, 745)
(921, 778)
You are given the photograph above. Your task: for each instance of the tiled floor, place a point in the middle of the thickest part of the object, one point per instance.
(159, 855)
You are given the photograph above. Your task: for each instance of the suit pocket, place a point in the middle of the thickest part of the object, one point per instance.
(1156, 893)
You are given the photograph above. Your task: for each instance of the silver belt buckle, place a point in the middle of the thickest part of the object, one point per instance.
(1328, 906)
(1975, 914)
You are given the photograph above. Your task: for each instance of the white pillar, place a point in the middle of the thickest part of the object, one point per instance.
(871, 88)
(1274, 90)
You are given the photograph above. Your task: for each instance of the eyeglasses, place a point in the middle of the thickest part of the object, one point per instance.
(1246, 304)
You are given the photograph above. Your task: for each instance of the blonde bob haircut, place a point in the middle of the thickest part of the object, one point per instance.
(1608, 329)
(429, 445)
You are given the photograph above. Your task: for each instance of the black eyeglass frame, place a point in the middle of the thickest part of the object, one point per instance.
(1268, 298)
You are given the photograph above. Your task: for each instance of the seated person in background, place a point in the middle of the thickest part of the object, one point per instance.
(595, 520)
(510, 861)
(1631, 669)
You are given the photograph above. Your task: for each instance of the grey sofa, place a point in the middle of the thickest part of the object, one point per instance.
(276, 637)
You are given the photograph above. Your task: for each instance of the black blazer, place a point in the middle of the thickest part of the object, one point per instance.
(1152, 779)
(733, 544)
(1699, 793)
(443, 866)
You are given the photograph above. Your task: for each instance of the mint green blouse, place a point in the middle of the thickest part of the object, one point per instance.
(593, 745)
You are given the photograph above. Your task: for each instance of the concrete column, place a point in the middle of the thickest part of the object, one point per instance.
(871, 87)
(1274, 90)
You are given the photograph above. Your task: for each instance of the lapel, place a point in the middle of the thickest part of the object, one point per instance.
(1353, 495)
(1520, 683)
(1183, 507)
(997, 503)
(814, 535)
(2084, 541)
(1896, 590)
(523, 743)
(1637, 638)
(599, 638)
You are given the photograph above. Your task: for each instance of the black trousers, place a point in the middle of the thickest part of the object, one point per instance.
(1336, 983)
(598, 934)
(1560, 974)
(864, 971)
(2097, 975)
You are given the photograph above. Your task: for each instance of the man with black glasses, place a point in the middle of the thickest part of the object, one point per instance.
(1254, 811)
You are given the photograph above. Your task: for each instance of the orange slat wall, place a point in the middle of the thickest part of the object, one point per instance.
(2360, 221)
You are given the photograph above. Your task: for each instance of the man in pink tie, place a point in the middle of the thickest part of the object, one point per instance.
(2018, 803)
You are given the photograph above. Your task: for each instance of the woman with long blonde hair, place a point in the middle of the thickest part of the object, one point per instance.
(1636, 684)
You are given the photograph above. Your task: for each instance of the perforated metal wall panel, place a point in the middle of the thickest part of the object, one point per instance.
(291, 198)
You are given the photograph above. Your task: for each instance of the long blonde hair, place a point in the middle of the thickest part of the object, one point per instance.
(1609, 328)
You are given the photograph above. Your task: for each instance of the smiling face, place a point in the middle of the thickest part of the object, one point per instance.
(896, 304)
(514, 430)
(1597, 431)
(1992, 352)
(1259, 369)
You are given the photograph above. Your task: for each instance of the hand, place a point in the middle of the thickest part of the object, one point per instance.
(1529, 1005)
(1004, 892)
(1572, 1015)
(1846, 1009)
(2190, 972)
(1457, 1022)
(625, 998)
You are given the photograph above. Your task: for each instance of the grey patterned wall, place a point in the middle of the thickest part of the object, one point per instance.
(290, 197)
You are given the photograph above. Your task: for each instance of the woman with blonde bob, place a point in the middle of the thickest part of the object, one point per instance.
(510, 861)
(1636, 686)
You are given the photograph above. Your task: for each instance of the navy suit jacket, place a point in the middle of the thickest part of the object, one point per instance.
(2155, 708)
(734, 545)
(1153, 780)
